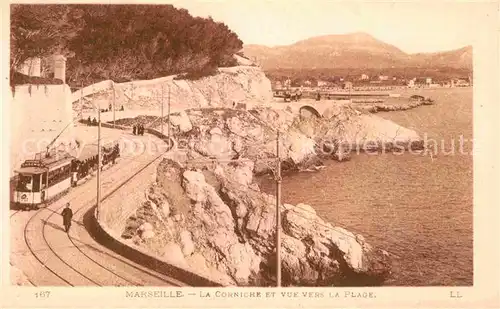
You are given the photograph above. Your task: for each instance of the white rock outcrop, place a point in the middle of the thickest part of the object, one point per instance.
(218, 214)
(182, 121)
(221, 217)
(240, 84)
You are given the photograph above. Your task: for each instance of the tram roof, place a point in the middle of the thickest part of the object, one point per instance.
(38, 166)
(31, 170)
(44, 163)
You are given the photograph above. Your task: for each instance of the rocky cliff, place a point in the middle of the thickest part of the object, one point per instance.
(240, 84)
(226, 134)
(206, 213)
(214, 217)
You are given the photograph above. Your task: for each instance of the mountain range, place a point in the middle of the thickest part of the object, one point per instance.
(355, 50)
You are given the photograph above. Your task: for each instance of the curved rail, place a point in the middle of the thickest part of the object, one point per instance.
(32, 251)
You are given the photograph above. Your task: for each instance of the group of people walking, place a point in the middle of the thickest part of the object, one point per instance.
(92, 122)
(138, 129)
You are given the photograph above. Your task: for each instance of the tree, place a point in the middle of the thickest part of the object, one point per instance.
(122, 41)
(39, 31)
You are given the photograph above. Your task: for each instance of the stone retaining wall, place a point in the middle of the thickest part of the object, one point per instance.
(113, 215)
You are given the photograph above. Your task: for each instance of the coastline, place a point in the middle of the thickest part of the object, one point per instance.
(220, 135)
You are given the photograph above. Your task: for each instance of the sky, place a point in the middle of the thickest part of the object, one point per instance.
(423, 26)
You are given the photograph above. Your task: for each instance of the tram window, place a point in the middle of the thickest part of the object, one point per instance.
(36, 183)
(44, 180)
(59, 174)
(24, 183)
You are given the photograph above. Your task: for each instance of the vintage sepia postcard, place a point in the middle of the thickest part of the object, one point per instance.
(250, 154)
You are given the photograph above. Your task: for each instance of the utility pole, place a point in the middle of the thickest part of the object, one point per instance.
(278, 211)
(132, 91)
(81, 100)
(98, 161)
(168, 117)
(162, 109)
(114, 101)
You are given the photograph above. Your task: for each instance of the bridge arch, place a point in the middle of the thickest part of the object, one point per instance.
(307, 111)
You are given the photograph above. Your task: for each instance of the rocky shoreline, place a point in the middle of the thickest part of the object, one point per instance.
(206, 213)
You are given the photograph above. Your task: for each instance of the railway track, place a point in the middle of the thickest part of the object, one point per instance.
(87, 263)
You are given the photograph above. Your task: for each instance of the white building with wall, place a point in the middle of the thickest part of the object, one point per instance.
(60, 67)
(31, 67)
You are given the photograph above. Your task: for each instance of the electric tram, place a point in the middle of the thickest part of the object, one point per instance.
(52, 174)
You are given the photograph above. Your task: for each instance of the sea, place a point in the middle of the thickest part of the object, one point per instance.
(418, 207)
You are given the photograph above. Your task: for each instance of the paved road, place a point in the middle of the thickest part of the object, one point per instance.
(50, 257)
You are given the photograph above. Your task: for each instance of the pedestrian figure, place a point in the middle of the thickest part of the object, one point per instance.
(89, 122)
(134, 129)
(94, 122)
(67, 215)
(142, 129)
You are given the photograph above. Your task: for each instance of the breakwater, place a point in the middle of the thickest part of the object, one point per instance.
(381, 107)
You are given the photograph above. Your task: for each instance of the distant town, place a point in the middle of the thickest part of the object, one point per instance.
(366, 82)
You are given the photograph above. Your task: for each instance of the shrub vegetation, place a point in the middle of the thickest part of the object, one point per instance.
(121, 42)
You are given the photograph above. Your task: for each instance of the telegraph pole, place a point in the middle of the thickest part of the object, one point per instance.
(277, 175)
(278, 211)
(168, 117)
(162, 109)
(98, 161)
(81, 100)
(114, 101)
(132, 90)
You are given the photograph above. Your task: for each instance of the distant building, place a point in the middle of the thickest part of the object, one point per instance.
(288, 83)
(459, 83)
(411, 83)
(428, 80)
(383, 77)
(364, 77)
(307, 83)
(278, 85)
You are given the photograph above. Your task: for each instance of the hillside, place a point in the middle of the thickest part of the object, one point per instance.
(121, 42)
(356, 51)
(459, 58)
